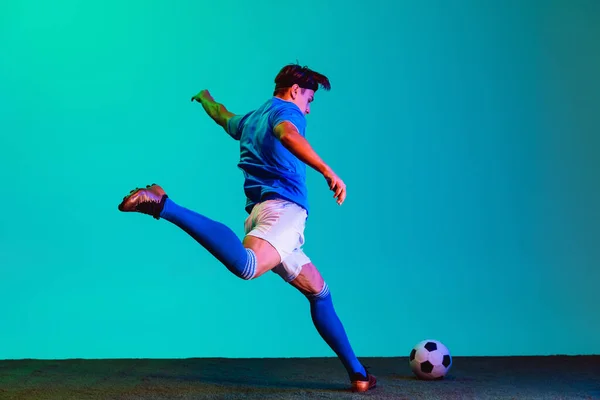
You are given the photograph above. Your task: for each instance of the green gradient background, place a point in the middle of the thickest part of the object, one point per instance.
(467, 133)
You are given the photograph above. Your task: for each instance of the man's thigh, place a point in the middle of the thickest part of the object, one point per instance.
(291, 267)
(275, 232)
(309, 280)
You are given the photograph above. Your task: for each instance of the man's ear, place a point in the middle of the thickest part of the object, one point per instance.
(294, 91)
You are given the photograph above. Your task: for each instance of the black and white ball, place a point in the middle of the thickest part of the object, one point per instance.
(430, 360)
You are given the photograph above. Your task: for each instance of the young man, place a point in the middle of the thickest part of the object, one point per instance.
(273, 156)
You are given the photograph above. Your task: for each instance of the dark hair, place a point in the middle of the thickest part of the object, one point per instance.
(302, 76)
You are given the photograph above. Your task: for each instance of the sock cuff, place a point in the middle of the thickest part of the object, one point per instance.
(157, 213)
(322, 294)
(250, 268)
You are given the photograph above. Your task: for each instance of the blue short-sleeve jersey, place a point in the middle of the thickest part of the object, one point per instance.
(270, 170)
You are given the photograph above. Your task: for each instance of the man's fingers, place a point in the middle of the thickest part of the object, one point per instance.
(340, 192)
(337, 186)
(342, 195)
(341, 189)
(335, 189)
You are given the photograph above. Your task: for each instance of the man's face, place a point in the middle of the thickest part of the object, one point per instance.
(302, 100)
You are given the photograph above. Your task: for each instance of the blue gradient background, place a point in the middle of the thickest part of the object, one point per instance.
(467, 133)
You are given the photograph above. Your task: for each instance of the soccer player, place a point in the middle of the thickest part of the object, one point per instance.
(273, 157)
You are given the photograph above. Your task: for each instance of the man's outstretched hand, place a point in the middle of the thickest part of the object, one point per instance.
(336, 185)
(202, 95)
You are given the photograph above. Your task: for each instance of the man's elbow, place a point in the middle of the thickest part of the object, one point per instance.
(223, 116)
(288, 139)
(285, 134)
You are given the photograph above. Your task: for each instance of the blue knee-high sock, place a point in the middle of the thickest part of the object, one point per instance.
(215, 237)
(332, 331)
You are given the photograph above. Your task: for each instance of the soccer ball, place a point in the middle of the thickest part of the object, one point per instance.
(430, 360)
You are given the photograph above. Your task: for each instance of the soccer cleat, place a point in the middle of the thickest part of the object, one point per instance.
(150, 200)
(362, 383)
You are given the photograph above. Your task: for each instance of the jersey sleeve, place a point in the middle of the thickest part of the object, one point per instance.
(292, 114)
(235, 125)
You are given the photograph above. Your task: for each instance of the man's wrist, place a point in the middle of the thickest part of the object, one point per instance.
(206, 98)
(324, 169)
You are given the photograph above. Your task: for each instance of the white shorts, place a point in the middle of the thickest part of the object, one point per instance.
(281, 223)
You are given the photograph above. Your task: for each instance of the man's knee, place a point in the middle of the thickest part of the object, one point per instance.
(253, 268)
(266, 256)
(309, 281)
(245, 268)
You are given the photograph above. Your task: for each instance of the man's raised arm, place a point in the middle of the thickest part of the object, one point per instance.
(215, 110)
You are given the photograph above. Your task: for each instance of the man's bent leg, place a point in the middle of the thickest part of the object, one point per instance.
(267, 256)
(215, 237)
(242, 259)
(310, 283)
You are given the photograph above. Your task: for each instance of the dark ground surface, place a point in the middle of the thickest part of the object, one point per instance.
(555, 377)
